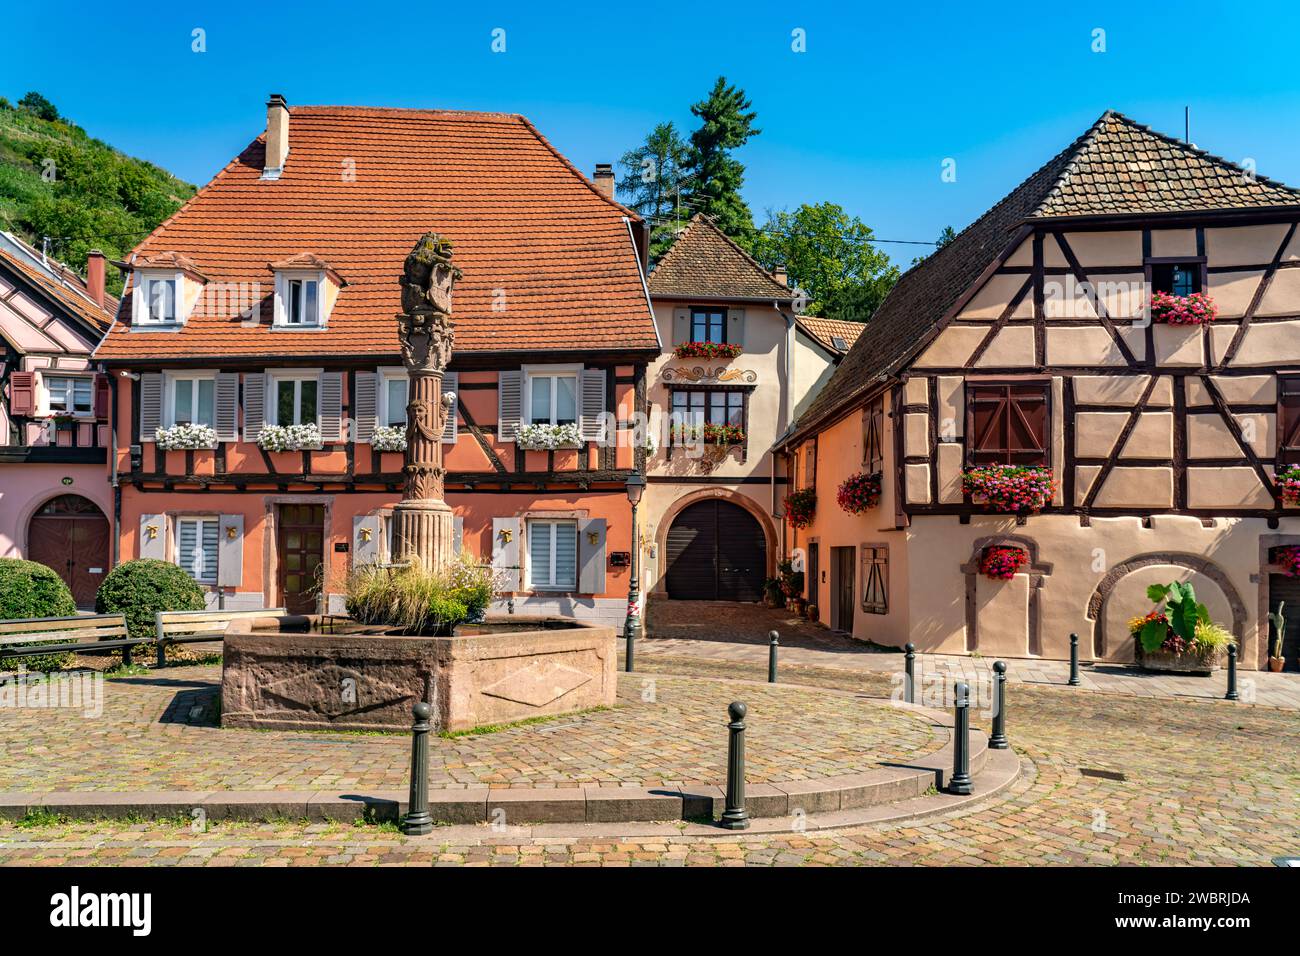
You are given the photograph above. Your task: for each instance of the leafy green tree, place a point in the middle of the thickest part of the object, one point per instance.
(652, 182)
(715, 177)
(38, 106)
(945, 237)
(830, 258)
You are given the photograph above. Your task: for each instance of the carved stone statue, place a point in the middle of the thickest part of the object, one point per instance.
(428, 276)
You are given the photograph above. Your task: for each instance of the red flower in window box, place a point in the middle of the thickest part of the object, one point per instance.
(707, 350)
(1195, 309)
(1289, 558)
(1001, 562)
(1014, 489)
(859, 493)
(1288, 485)
(708, 434)
(800, 506)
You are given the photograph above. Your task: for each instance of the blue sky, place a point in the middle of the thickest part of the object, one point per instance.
(865, 117)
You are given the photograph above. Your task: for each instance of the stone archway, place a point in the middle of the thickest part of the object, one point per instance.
(728, 495)
(1037, 572)
(1097, 604)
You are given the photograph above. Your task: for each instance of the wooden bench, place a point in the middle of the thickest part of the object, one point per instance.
(98, 632)
(196, 627)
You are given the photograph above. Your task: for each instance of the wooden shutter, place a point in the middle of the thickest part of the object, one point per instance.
(509, 404)
(364, 407)
(254, 405)
(736, 327)
(457, 534)
(593, 404)
(591, 556)
(103, 384)
(875, 579)
(681, 326)
(1288, 420)
(366, 533)
(226, 406)
(451, 383)
(22, 393)
(153, 537)
(505, 553)
(151, 399)
(331, 406)
(1007, 424)
(230, 551)
(873, 437)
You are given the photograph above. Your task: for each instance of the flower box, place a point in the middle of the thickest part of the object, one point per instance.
(289, 437)
(1002, 562)
(1195, 309)
(1178, 636)
(800, 506)
(1198, 664)
(708, 434)
(707, 350)
(547, 437)
(389, 438)
(1013, 489)
(1288, 485)
(185, 437)
(859, 493)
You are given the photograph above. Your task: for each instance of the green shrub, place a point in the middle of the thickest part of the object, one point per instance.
(28, 589)
(139, 589)
(417, 601)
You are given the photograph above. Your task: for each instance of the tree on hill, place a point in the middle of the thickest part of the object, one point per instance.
(715, 177)
(38, 106)
(652, 182)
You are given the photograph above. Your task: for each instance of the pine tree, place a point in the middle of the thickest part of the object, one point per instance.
(715, 176)
(651, 184)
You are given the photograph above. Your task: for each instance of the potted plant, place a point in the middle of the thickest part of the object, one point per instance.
(1275, 659)
(812, 612)
(859, 493)
(800, 506)
(791, 586)
(1001, 562)
(773, 596)
(1180, 637)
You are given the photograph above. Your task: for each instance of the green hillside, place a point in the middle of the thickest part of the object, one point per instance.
(56, 181)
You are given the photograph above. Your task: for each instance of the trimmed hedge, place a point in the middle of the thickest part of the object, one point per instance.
(28, 589)
(139, 589)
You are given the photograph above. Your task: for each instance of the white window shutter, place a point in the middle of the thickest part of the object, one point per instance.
(736, 327)
(366, 531)
(151, 399)
(450, 383)
(153, 537)
(230, 551)
(331, 406)
(593, 404)
(681, 326)
(505, 553)
(364, 407)
(226, 406)
(254, 405)
(509, 404)
(457, 533)
(591, 556)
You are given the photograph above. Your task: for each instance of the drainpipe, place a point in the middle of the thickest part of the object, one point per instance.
(112, 473)
(788, 397)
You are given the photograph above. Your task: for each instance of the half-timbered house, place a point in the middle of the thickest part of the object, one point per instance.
(1029, 340)
(260, 396)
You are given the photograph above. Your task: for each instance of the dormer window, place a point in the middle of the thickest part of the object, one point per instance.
(160, 300)
(303, 307)
(305, 289)
(161, 296)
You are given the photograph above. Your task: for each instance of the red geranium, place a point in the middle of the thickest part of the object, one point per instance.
(709, 350)
(1010, 488)
(1289, 558)
(1001, 562)
(1195, 309)
(859, 493)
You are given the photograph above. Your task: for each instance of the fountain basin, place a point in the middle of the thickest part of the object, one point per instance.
(307, 673)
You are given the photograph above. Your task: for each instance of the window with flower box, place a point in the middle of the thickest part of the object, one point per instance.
(1176, 278)
(1007, 423)
(69, 395)
(708, 325)
(719, 416)
(191, 399)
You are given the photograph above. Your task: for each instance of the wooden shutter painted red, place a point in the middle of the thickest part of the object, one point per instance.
(1007, 424)
(22, 393)
(1288, 419)
(102, 395)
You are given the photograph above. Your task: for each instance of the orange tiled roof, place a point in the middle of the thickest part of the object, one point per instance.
(548, 262)
(62, 284)
(826, 331)
(703, 262)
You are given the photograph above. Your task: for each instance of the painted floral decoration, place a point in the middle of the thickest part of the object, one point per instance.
(289, 437)
(1010, 488)
(1001, 562)
(1289, 558)
(1195, 309)
(389, 438)
(800, 506)
(707, 350)
(1288, 483)
(543, 436)
(859, 493)
(186, 437)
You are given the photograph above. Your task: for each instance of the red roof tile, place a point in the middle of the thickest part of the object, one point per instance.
(703, 262)
(548, 262)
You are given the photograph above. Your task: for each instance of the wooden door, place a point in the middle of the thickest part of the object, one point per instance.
(842, 570)
(812, 577)
(300, 540)
(716, 552)
(70, 534)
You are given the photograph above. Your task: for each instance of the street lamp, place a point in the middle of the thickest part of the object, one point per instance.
(635, 487)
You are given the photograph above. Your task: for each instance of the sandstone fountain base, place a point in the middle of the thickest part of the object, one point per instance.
(288, 673)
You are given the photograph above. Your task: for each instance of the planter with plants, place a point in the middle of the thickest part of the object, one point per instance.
(543, 436)
(1013, 489)
(859, 493)
(1288, 485)
(1276, 662)
(791, 584)
(415, 600)
(800, 506)
(1001, 562)
(289, 437)
(707, 350)
(185, 437)
(389, 438)
(1195, 309)
(773, 596)
(1180, 637)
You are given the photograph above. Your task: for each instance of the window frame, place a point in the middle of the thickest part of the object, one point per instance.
(1286, 456)
(527, 552)
(284, 282)
(1196, 265)
(201, 520)
(69, 391)
(709, 312)
(553, 372)
(383, 413)
(141, 296)
(272, 400)
(971, 437)
(171, 380)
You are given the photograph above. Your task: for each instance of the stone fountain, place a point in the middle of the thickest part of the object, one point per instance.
(305, 672)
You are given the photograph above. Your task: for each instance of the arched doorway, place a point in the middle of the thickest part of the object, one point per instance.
(716, 551)
(70, 534)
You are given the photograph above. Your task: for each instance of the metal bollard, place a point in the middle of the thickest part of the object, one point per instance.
(1232, 674)
(773, 642)
(629, 632)
(909, 670)
(418, 821)
(961, 783)
(735, 817)
(998, 738)
(1074, 661)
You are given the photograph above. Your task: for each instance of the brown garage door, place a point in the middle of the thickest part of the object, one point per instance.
(716, 552)
(70, 535)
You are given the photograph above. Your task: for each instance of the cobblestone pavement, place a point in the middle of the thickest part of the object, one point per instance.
(1202, 783)
(738, 632)
(157, 732)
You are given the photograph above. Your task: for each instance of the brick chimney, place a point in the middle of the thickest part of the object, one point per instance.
(604, 180)
(780, 275)
(95, 276)
(277, 136)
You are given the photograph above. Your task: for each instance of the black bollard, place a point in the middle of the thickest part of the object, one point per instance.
(909, 670)
(961, 783)
(773, 642)
(418, 820)
(1232, 674)
(1074, 660)
(734, 817)
(998, 739)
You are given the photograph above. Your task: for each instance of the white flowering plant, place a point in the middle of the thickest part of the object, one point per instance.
(184, 437)
(389, 438)
(289, 437)
(546, 437)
